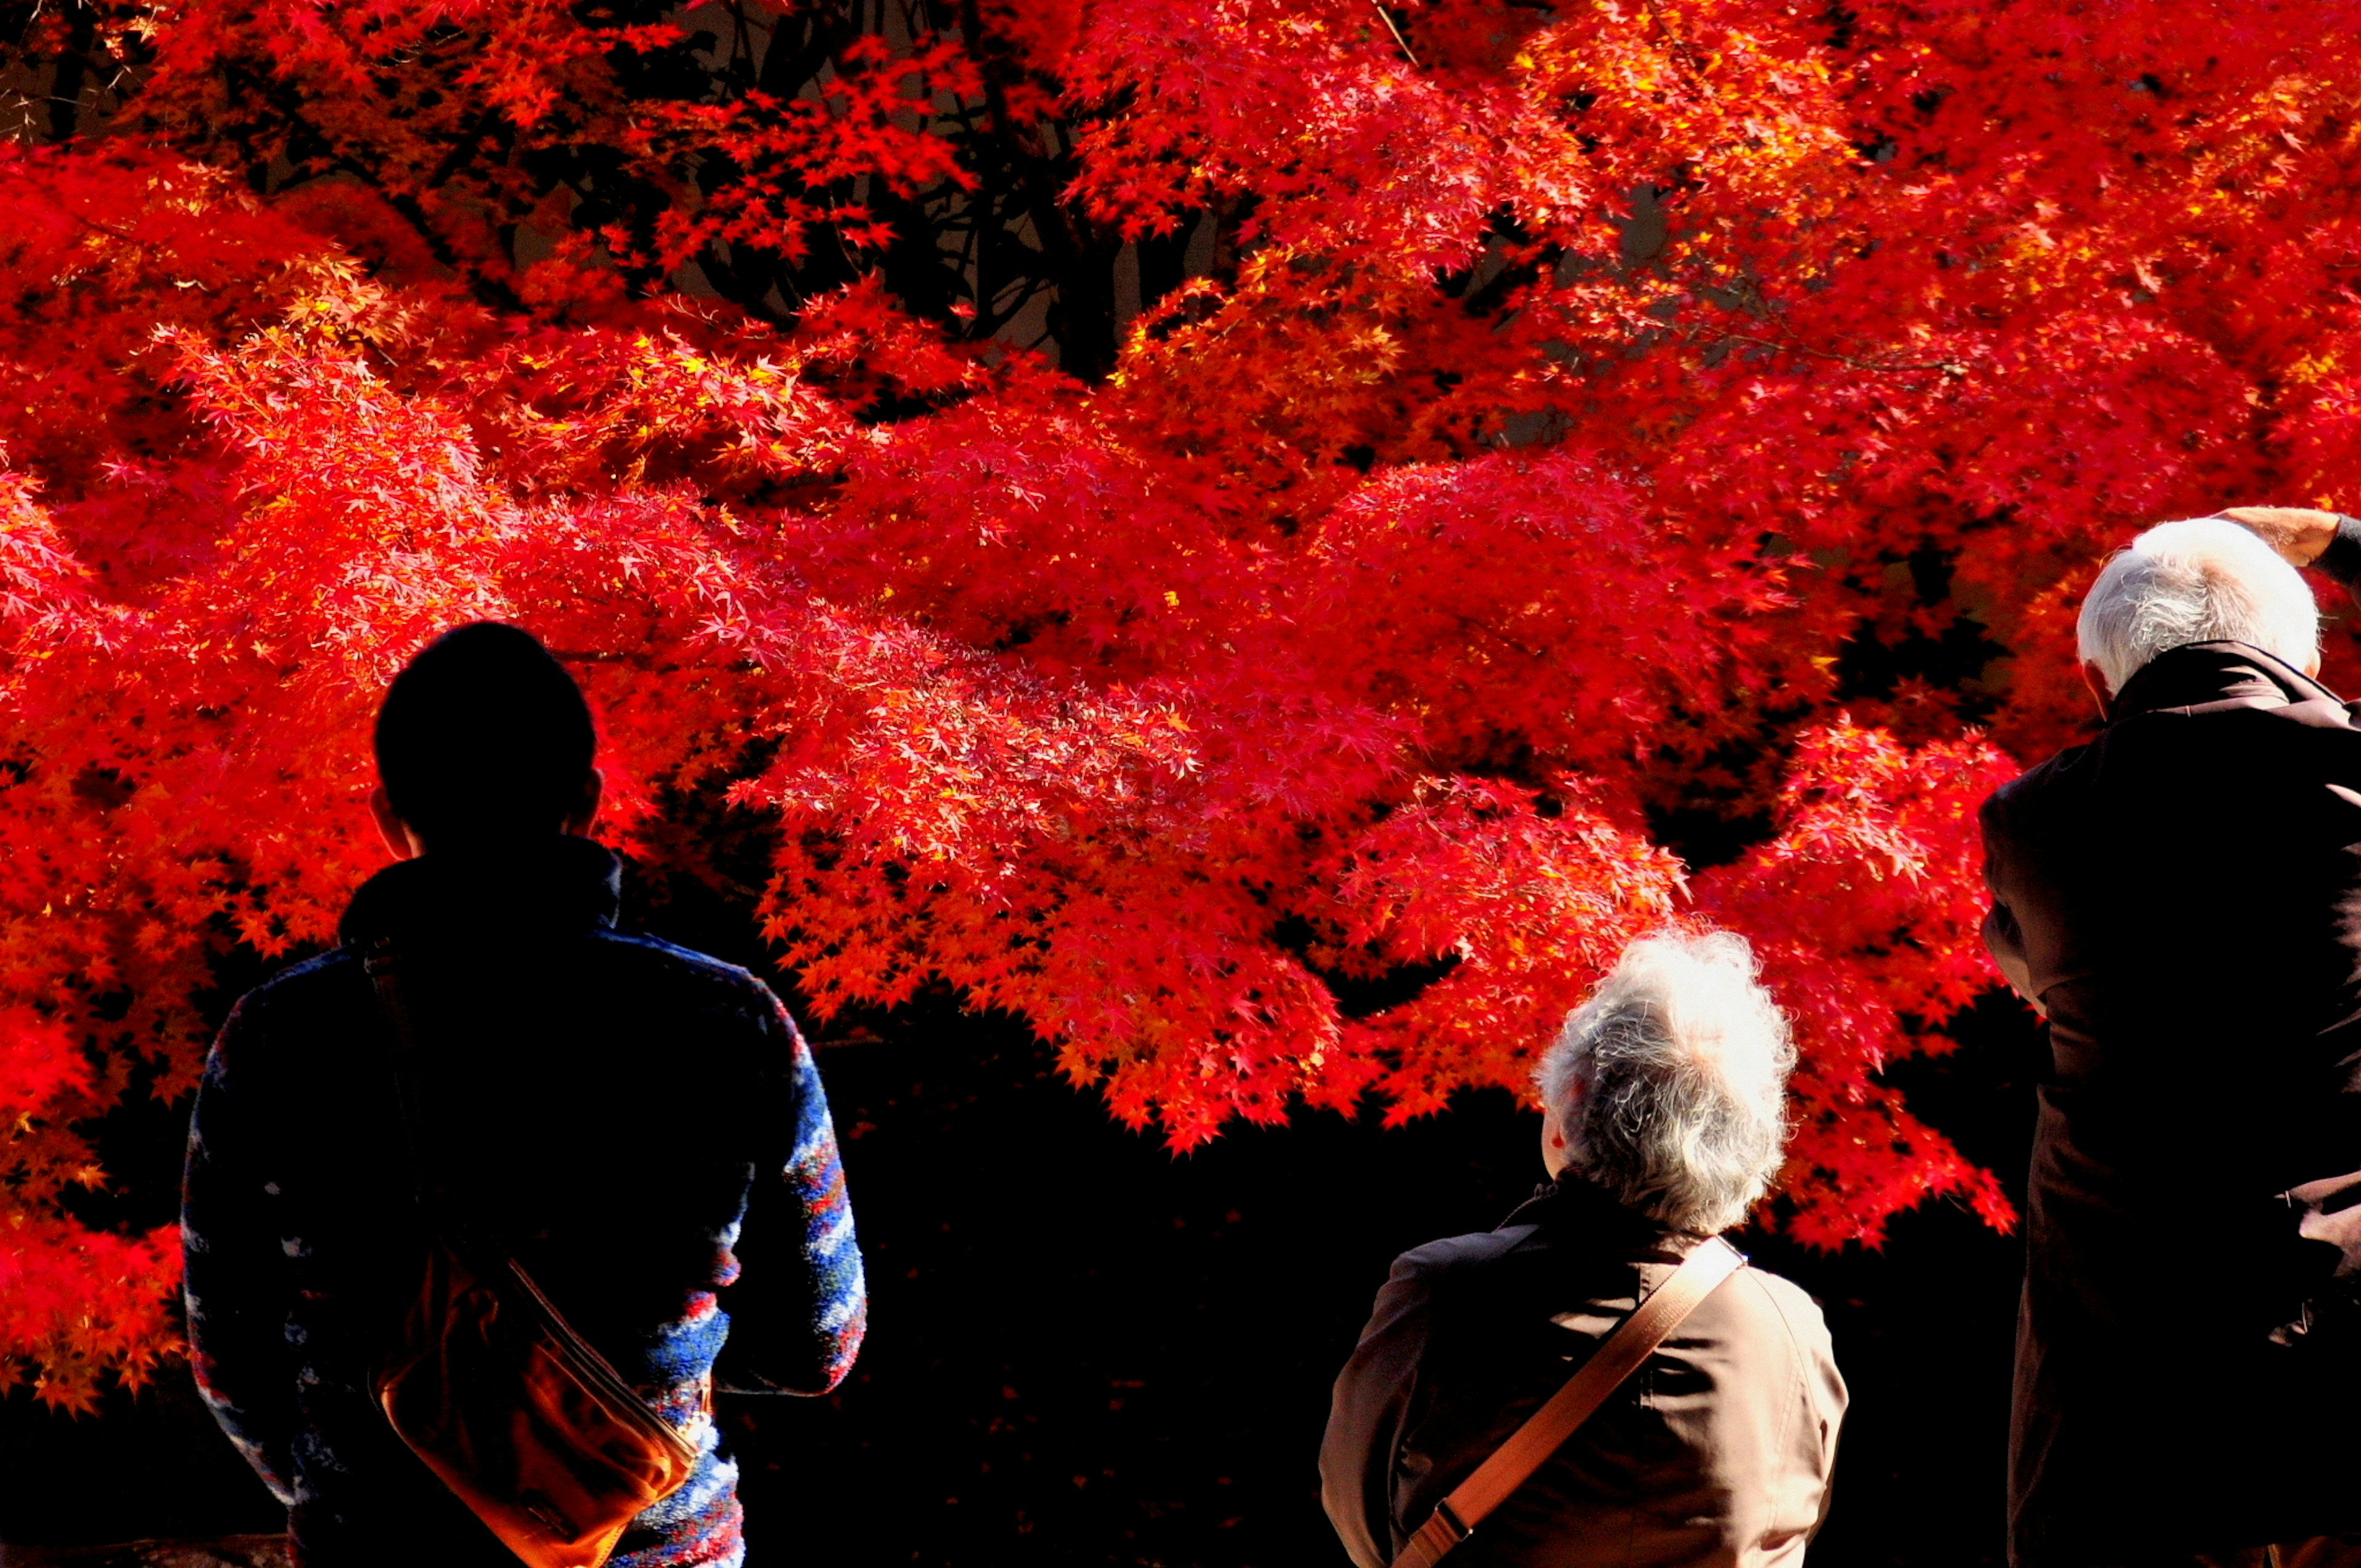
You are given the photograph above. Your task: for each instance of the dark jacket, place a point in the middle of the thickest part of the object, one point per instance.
(2182, 896)
(1716, 1450)
(641, 1124)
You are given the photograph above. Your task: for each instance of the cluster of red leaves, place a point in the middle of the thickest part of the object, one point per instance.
(1580, 392)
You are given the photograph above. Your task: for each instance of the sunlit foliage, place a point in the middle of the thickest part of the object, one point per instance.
(1266, 537)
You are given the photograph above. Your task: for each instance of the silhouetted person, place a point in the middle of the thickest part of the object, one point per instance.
(640, 1126)
(1664, 1116)
(2181, 898)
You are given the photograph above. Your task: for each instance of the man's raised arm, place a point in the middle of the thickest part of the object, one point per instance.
(2305, 537)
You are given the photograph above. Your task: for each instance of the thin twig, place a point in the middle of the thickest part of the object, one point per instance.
(1947, 367)
(1397, 32)
(1681, 48)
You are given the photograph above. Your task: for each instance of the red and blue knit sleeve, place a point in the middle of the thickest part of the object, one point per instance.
(799, 1304)
(237, 1289)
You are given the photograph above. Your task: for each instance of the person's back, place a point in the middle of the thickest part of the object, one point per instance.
(1717, 1451)
(2181, 897)
(1663, 1122)
(640, 1125)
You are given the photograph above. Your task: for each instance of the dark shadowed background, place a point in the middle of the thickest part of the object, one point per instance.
(1084, 1350)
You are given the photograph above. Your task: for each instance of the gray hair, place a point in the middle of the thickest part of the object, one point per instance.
(1670, 1082)
(2204, 580)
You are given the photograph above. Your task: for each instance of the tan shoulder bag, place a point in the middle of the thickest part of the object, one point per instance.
(488, 1383)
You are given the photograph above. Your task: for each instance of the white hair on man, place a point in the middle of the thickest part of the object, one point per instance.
(1670, 1084)
(2204, 580)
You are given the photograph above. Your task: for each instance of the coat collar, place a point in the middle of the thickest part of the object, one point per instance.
(1574, 1201)
(2209, 677)
(541, 887)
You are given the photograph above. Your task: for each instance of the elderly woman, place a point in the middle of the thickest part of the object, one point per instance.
(1665, 1115)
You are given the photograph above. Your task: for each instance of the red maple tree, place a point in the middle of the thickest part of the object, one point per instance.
(1166, 512)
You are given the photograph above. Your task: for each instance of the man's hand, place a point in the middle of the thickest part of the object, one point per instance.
(2298, 533)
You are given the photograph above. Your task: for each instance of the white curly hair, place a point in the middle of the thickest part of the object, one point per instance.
(1671, 1082)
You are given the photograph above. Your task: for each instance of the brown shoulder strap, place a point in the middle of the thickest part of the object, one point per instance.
(1618, 1357)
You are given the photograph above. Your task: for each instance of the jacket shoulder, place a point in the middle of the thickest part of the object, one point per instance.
(637, 962)
(1784, 1307)
(637, 947)
(698, 980)
(1457, 1272)
(2026, 810)
(262, 1036)
(1437, 1262)
(2030, 784)
(298, 986)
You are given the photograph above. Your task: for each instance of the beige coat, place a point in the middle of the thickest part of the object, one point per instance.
(1717, 1452)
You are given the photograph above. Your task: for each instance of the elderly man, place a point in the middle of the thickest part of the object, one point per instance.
(1664, 1117)
(2181, 898)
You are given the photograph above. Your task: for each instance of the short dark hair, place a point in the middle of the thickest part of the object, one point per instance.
(484, 735)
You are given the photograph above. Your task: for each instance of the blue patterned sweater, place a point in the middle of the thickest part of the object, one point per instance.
(641, 1124)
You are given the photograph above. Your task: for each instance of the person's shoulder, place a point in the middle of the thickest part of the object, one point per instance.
(654, 951)
(683, 972)
(2045, 800)
(2033, 784)
(268, 1027)
(311, 972)
(1776, 1307)
(323, 978)
(1449, 1258)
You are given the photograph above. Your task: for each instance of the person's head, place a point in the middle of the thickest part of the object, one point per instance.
(1669, 1086)
(483, 738)
(2205, 580)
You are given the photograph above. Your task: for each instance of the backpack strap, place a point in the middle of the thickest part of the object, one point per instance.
(1619, 1355)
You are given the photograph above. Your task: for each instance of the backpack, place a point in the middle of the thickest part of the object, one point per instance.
(484, 1380)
